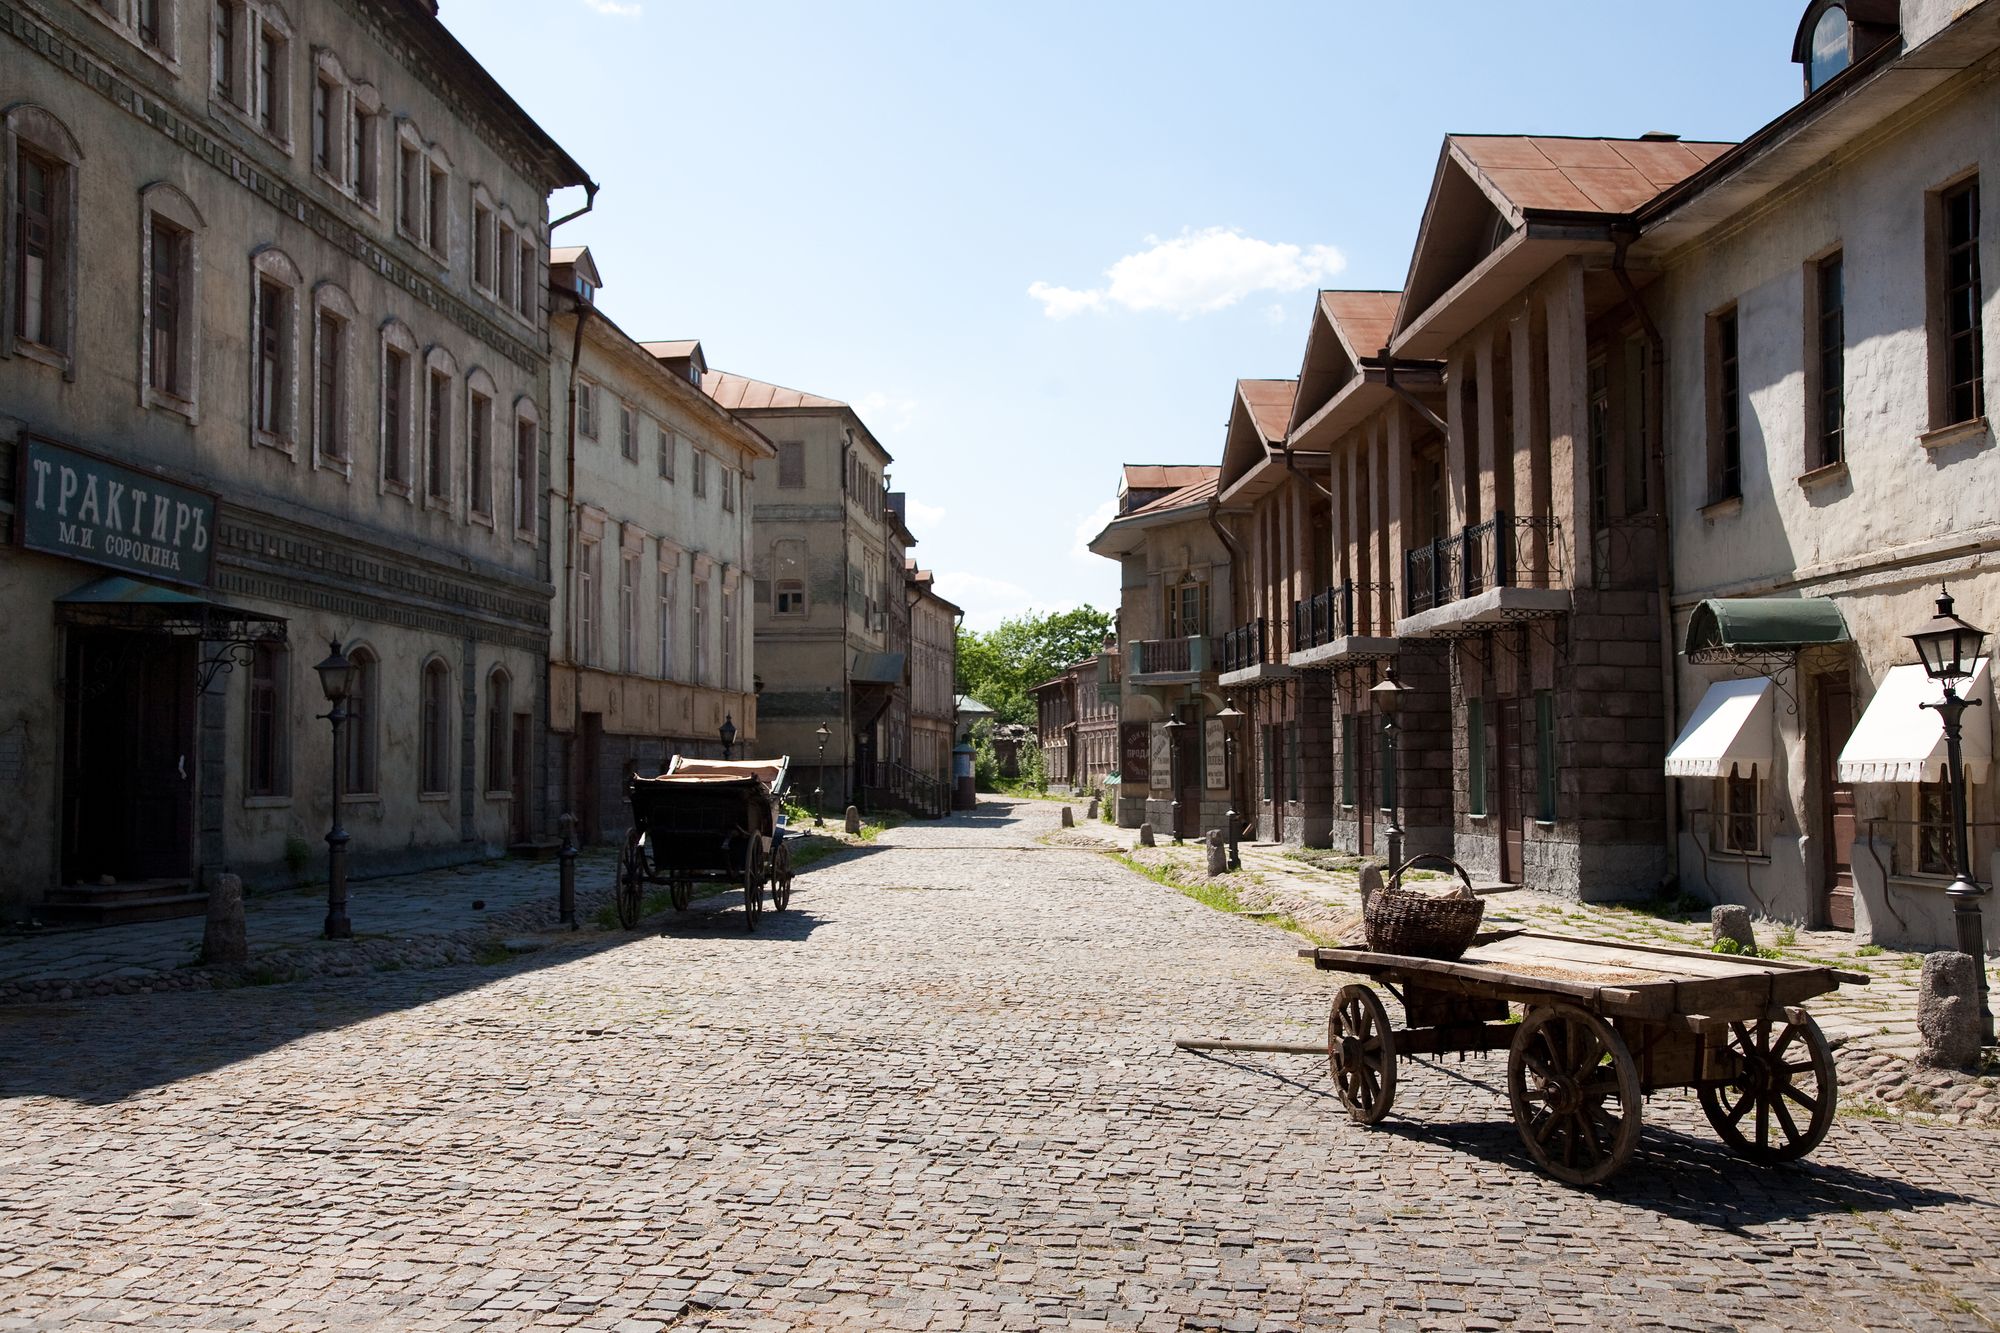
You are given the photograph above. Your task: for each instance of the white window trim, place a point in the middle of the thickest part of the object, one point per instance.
(477, 381)
(349, 96)
(431, 158)
(394, 333)
(530, 282)
(525, 411)
(255, 16)
(586, 389)
(628, 414)
(126, 24)
(273, 264)
(446, 729)
(668, 604)
(494, 697)
(328, 297)
(166, 201)
(42, 131)
(482, 201)
(437, 359)
(667, 446)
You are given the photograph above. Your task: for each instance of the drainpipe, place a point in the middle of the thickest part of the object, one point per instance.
(581, 310)
(1656, 466)
(1416, 404)
(1292, 466)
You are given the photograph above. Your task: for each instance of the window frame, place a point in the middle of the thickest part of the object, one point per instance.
(1475, 757)
(726, 627)
(497, 768)
(270, 265)
(698, 472)
(527, 480)
(395, 336)
(162, 202)
(264, 101)
(127, 23)
(1726, 821)
(1723, 345)
(668, 445)
(589, 595)
(434, 729)
(1943, 374)
(479, 422)
(483, 224)
(668, 604)
(698, 623)
(632, 546)
(330, 302)
(439, 456)
(267, 731)
(419, 218)
(628, 430)
(1825, 363)
(586, 424)
(37, 131)
(363, 753)
(1943, 826)
(795, 452)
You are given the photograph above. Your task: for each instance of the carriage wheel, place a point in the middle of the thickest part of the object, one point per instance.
(781, 876)
(755, 869)
(1361, 1052)
(1780, 1105)
(631, 879)
(1575, 1091)
(680, 892)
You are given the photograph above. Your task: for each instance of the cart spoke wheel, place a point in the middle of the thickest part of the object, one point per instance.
(755, 868)
(781, 876)
(1575, 1093)
(680, 892)
(1753, 1111)
(1361, 1053)
(631, 887)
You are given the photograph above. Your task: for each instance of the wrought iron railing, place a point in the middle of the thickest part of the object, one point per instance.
(1506, 551)
(1245, 646)
(1152, 657)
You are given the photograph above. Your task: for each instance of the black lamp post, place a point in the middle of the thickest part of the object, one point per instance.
(728, 734)
(1949, 649)
(1388, 696)
(819, 779)
(1229, 717)
(336, 677)
(1173, 726)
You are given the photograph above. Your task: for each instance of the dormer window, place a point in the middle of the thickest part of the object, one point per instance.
(1830, 51)
(1835, 35)
(584, 289)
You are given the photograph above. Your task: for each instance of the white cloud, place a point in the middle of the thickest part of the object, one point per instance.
(885, 412)
(1089, 526)
(612, 8)
(1196, 273)
(923, 515)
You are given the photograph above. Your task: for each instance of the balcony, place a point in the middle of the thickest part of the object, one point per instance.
(1251, 653)
(1170, 661)
(1326, 628)
(1505, 569)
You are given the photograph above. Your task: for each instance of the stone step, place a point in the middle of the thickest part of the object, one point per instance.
(123, 904)
(535, 850)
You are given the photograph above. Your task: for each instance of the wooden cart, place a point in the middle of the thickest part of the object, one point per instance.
(715, 821)
(1603, 1026)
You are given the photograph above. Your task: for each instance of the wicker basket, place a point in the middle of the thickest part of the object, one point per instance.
(1422, 925)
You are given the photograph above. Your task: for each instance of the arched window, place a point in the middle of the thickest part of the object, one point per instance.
(499, 709)
(43, 162)
(480, 394)
(363, 777)
(1831, 51)
(527, 468)
(333, 378)
(440, 371)
(274, 350)
(170, 228)
(399, 407)
(434, 741)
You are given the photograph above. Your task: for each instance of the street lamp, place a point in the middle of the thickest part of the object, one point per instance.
(336, 678)
(1388, 696)
(1173, 726)
(1229, 717)
(728, 734)
(819, 779)
(1949, 649)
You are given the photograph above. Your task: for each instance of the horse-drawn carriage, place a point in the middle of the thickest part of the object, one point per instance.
(707, 821)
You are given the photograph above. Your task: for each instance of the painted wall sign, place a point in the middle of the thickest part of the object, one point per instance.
(88, 508)
(1135, 746)
(1215, 774)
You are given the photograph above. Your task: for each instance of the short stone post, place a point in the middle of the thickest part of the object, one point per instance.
(854, 819)
(1146, 836)
(1218, 855)
(1728, 921)
(223, 939)
(1068, 818)
(1090, 811)
(566, 873)
(1948, 1011)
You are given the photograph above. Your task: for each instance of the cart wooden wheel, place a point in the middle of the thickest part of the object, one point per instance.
(680, 892)
(755, 869)
(1575, 1092)
(1361, 1052)
(781, 876)
(631, 879)
(1780, 1104)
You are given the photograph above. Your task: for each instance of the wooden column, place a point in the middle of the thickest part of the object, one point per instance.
(1392, 512)
(1569, 418)
(1491, 447)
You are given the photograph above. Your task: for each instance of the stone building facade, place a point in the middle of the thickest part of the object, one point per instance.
(274, 364)
(1076, 723)
(933, 676)
(652, 645)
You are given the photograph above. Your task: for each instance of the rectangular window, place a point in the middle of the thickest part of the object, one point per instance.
(1475, 756)
(169, 263)
(147, 16)
(698, 629)
(438, 230)
(1385, 768)
(437, 439)
(1545, 755)
(507, 269)
(790, 598)
(1270, 739)
(1598, 424)
(791, 464)
(271, 73)
(228, 52)
(727, 476)
(586, 602)
(728, 639)
(482, 246)
(267, 770)
(1292, 761)
(1350, 758)
(667, 573)
(666, 448)
(330, 386)
(526, 285)
(37, 266)
(628, 612)
(1964, 358)
(434, 753)
(628, 433)
(1637, 437)
(525, 498)
(326, 103)
(359, 729)
(395, 416)
(273, 338)
(410, 186)
(1936, 854)
(1829, 363)
(361, 155)
(1725, 408)
(698, 465)
(479, 455)
(586, 410)
(1736, 828)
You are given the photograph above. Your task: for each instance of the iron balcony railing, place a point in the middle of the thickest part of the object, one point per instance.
(1245, 646)
(1158, 657)
(1505, 551)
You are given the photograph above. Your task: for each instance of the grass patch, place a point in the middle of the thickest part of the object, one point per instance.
(1920, 1099)
(1220, 897)
(1734, 949)
(490, 952)
(1787, 936)
(1868, 951)
(1325, 858)
(810, 851)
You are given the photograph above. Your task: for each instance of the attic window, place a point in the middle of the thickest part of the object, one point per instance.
(1831, 51)
(584, 289)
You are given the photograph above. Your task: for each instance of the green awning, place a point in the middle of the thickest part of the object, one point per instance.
(877, 669)
(117, 602)
(1724, 625)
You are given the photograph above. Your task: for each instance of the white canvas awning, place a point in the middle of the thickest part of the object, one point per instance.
(1731, 727)
(1898, 740)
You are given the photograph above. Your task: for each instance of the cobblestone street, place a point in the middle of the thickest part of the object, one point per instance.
(940, 1092)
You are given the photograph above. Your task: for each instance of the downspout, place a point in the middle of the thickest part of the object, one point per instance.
(1292, 466)
(590, 189)
(581, 310)
(1415, 404)
(1656, 466)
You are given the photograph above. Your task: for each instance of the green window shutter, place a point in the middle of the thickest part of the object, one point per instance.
(1475, 754)
(1545, 753)
(1349, 759)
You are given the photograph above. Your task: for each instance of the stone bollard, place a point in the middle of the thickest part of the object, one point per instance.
(1727, 921)
(1948, 1011)
(223, 939)
(1146, 836)
(1218, 855)
(854, 819)
(1068, 818)
(1090, 811)
(1371, 882)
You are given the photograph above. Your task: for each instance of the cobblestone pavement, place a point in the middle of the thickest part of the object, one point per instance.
(938, 1093)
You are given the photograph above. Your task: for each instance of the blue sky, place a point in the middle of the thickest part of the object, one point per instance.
(923, 208)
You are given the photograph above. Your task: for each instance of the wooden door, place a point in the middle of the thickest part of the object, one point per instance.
(589, 809)
(1189, 764)
(1512, 812)
(1836, 815)
(163, 762)
(520, 827)
(130, 764)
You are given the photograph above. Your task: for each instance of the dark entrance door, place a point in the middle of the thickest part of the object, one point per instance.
(520, 825)
(1511, 811)
(129, 757)
(1189, 766)
(589, 761)
(1836, 723)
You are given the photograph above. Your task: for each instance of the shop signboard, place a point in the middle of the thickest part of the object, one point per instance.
(1214, 772)
(76, 504)
(1135, 759)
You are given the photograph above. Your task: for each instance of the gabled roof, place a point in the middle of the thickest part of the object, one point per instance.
(1155, 476)
(1187, 497)
(1258, 414)
(1525, 174)
(740, 393)
(578, 258)
(676, 349)
(1346, 326)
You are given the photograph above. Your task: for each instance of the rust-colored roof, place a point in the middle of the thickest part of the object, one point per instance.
(1198, 493)
(1583, 175)
(564, 254)
(1156, 476)
(740, 393)
(1270, 404)
(1365, 318)
(674, 349)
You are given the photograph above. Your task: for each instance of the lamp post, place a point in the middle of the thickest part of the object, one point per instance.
(1173, 726)
(336, 677)
(728, 734)
(819, 779)
(1949, 649)
(1388, 696)
(1229, 717)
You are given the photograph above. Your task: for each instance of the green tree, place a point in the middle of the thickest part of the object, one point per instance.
(1002, 666)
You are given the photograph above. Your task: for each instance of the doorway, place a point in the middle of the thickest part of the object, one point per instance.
(1188, 762)
(589, 760)
(1511, 812)
(1836, 814)
(128, 757)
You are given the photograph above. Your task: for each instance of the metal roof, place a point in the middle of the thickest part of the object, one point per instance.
(740, 393)
(1270, 406)
(1581, 175)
